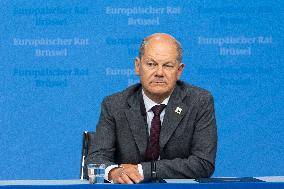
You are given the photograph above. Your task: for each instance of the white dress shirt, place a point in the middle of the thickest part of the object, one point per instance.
(149, 105)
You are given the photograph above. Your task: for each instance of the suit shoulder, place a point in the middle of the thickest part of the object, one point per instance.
(196, 94)
(194, 90)
(119, 99)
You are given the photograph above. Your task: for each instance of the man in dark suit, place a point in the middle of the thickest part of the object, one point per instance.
(161, 128)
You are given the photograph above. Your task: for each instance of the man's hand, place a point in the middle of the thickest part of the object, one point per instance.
(125, 174)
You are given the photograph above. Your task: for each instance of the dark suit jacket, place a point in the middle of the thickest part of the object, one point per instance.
(187, 140)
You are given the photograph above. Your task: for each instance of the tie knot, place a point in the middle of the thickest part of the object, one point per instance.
(158, 109)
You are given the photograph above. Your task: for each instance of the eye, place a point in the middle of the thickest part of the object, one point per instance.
(168, 66)
(151, 64)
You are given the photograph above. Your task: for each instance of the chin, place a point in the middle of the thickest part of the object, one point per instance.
(159, 91)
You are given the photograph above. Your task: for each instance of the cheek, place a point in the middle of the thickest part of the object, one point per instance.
(147, 75)
(145, 78)
(172, 77)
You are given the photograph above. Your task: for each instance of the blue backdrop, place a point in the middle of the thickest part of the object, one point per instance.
(60, 58)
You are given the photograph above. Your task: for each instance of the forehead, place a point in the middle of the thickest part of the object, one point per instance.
(160, 50)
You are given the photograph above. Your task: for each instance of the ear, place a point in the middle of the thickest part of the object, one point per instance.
(137, 65)
(180, 69)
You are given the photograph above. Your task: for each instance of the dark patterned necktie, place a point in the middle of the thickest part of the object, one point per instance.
(153, 148)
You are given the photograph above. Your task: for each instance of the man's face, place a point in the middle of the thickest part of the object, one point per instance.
(159, 69)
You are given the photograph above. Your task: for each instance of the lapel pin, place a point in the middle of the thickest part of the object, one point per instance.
(178, 110)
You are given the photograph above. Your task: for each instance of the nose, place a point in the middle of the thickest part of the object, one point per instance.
(159, 70)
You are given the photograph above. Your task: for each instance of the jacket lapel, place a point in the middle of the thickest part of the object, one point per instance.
(136, 116)
(175, 111)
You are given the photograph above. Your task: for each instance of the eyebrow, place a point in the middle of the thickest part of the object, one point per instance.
(151, 59)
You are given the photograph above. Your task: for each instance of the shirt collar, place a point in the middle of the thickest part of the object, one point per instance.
(150, 103)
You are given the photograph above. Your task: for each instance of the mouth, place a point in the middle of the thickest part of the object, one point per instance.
(158, 82)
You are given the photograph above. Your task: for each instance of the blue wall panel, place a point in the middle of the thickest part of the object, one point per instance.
(60, 58)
